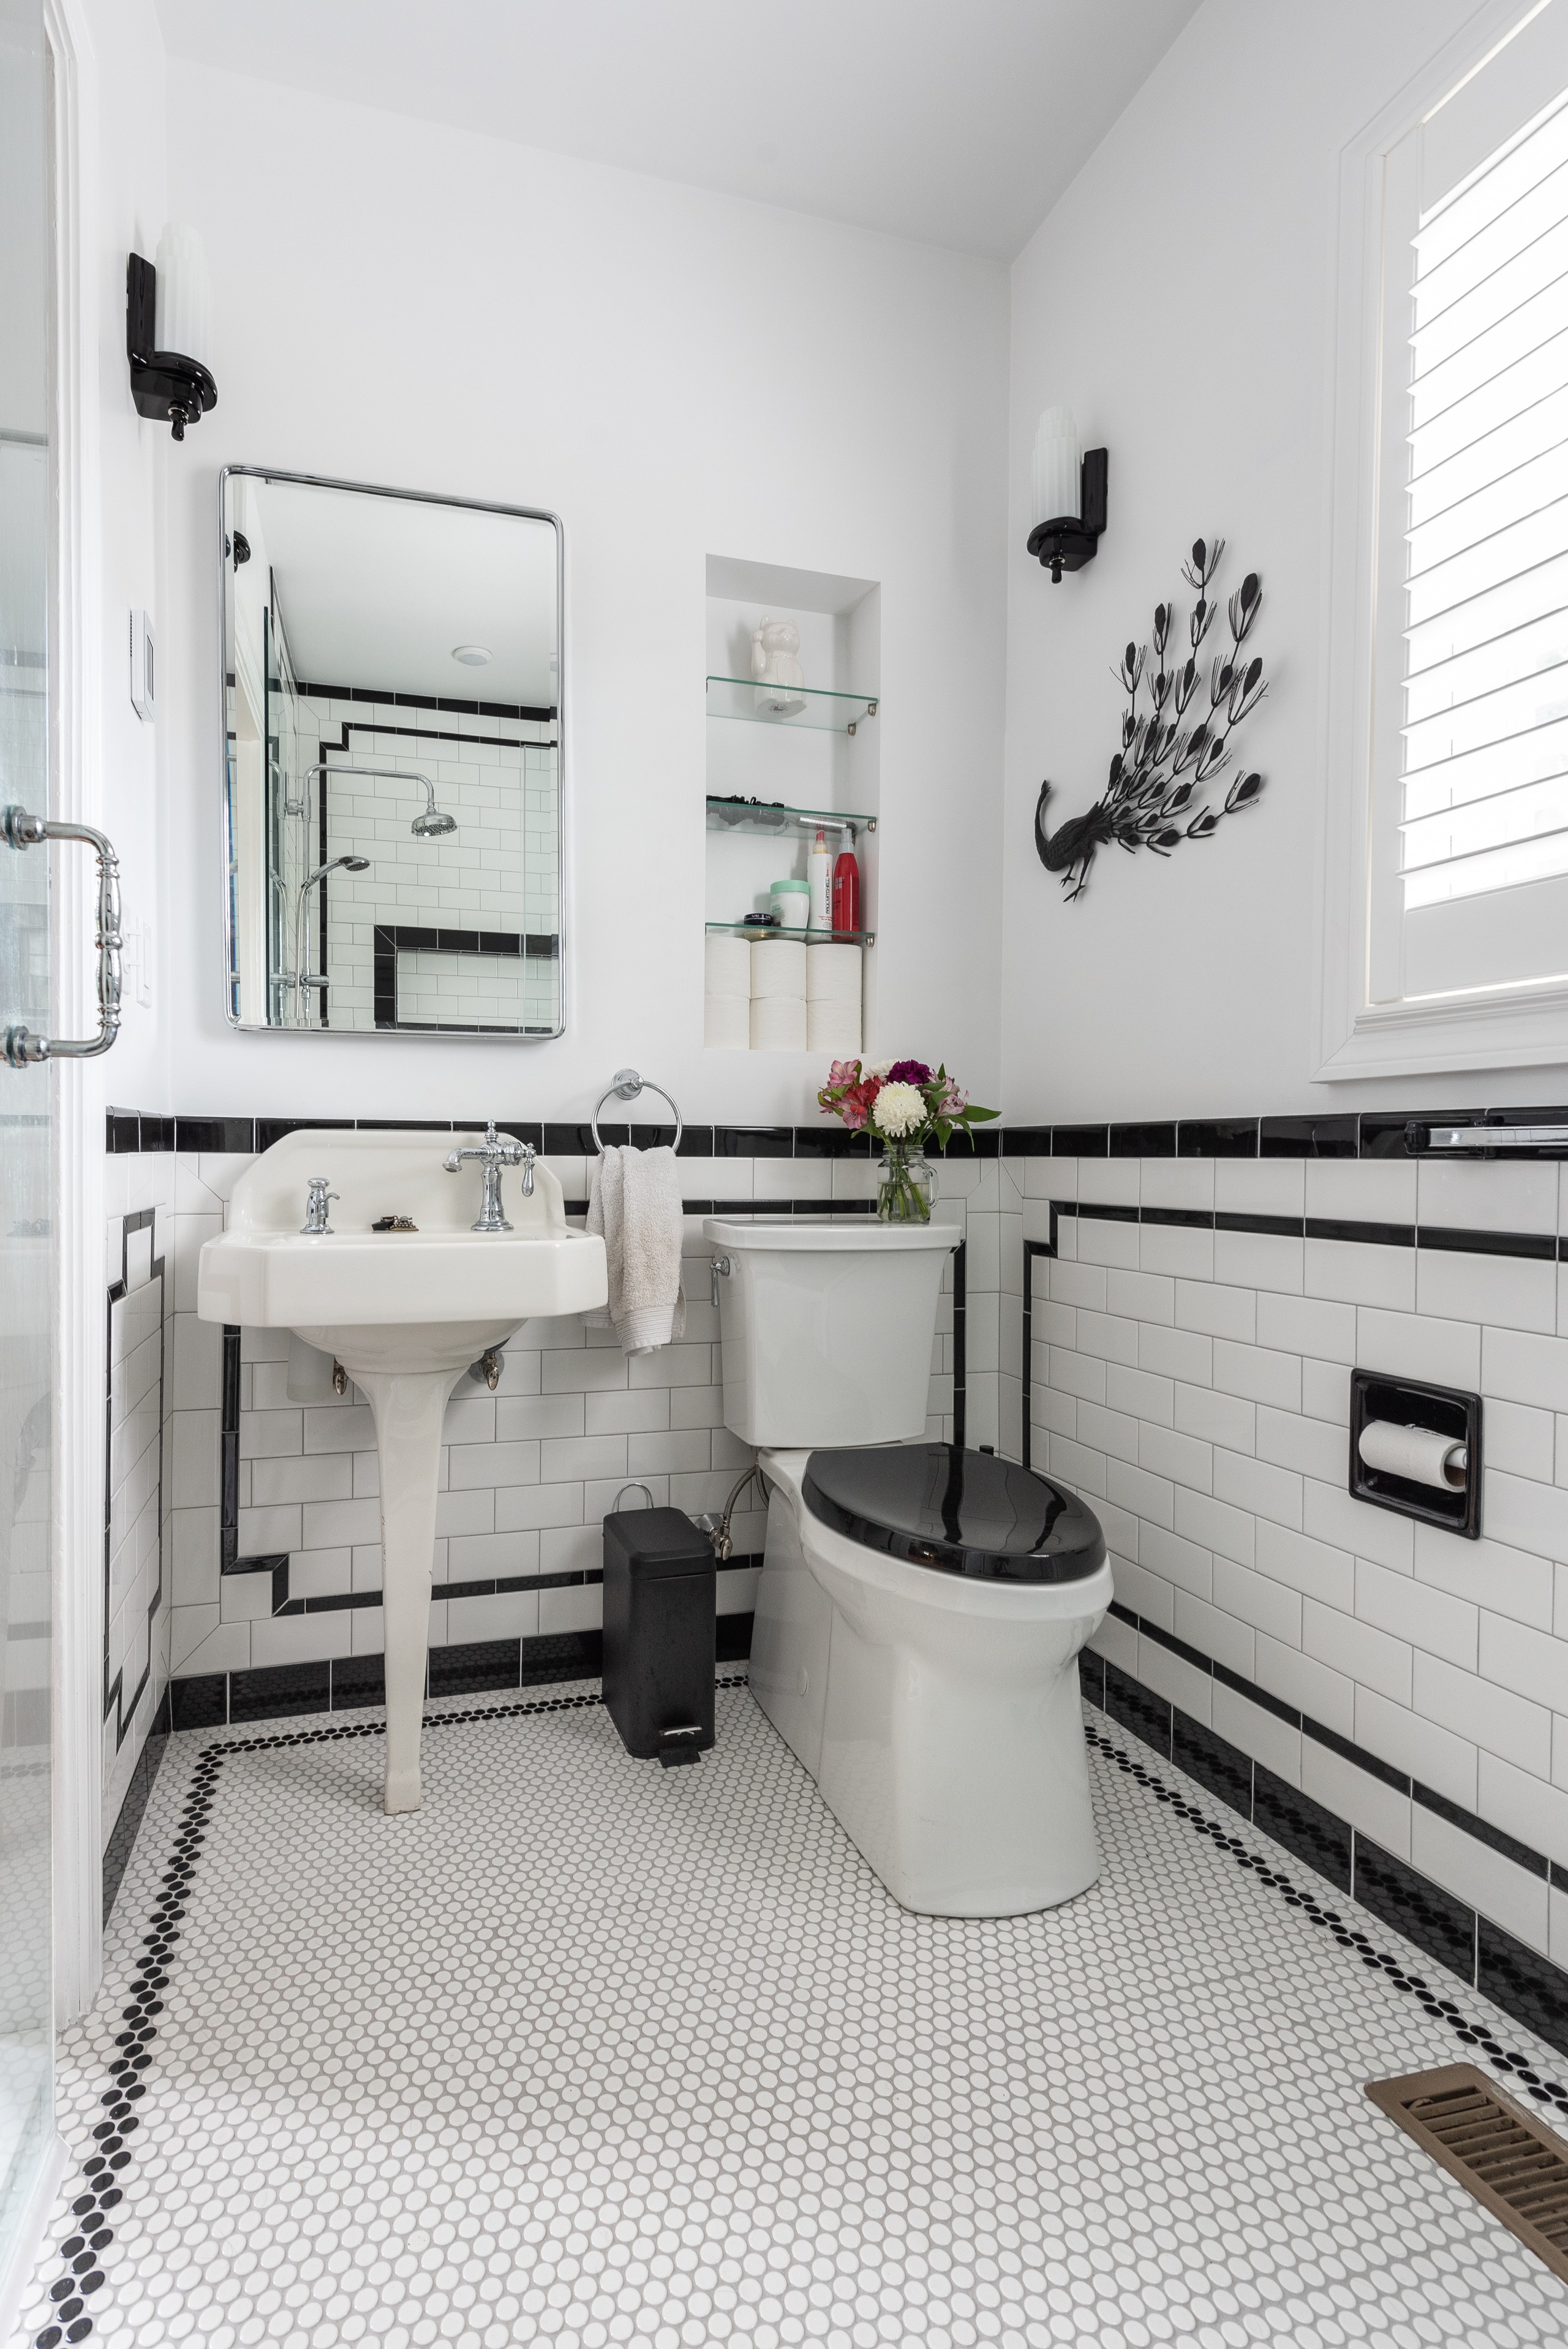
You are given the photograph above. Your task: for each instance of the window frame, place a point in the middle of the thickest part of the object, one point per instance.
(1518, 1027)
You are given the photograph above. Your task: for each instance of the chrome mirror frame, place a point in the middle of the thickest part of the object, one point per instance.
(231, 941)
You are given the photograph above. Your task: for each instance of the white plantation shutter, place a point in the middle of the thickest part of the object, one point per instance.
(1473, 551)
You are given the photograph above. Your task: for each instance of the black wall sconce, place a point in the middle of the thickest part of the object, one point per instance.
(1071, 494)
(167, 385)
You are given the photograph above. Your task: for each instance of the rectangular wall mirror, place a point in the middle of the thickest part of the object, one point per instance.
(392, 763)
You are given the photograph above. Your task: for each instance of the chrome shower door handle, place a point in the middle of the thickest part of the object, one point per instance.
(21, 1048)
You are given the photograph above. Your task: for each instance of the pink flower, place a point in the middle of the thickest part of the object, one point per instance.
(952, 1102)
(844, 1073)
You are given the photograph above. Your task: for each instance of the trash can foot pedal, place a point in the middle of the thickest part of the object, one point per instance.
(676, 1746)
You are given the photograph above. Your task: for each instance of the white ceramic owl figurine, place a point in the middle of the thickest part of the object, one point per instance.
(775, 653)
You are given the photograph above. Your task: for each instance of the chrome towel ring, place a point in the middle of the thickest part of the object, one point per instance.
(627, 1085)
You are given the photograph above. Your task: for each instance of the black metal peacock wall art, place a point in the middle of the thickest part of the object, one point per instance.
(1164, 766)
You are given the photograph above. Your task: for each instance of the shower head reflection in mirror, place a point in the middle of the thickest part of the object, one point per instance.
(450, 920)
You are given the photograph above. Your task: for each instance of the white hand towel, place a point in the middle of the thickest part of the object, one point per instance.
(634, 1204)
(779, 967)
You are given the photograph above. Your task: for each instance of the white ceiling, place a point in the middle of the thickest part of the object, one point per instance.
(377, 591)
(958, 122)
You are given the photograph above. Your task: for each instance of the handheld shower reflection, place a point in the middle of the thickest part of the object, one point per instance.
(433, 823)
(305, 979)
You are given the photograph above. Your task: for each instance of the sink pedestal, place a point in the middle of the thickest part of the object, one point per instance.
(408, 1407)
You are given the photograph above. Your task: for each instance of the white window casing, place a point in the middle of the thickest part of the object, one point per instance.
(1445, 873)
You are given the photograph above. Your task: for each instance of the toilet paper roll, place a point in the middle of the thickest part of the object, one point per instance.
(834, 1028)
(778, 968)
(727, 965)
(833, 975)
(726, 1023)
(778, 1022)
(1418, 1454)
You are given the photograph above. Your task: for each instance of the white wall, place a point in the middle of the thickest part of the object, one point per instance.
(1179, 300)
(675, 373)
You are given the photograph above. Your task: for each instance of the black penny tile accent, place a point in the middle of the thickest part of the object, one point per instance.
(1483, 1829)
(215, 1134)
(1137, 1709)
(272, 1128)
(1091, 1676)
(754, 1142)
(357, 1680)
(1303, 1826)
(1026, 1141)
(1306, 1137)
(1524, 1981)
(200, 1702)
(1081, 1141)
(1382, 1131)
(1213, 1761)
(834, 1140)
(1217, 1137)
(1348, 1751)
(1158, 1141)
(1416, 1908)
(278, 1689)
(475, 1664)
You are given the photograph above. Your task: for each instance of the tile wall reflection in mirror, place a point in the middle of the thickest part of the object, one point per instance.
(392, 690)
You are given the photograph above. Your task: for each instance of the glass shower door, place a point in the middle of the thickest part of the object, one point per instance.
(26, 1248)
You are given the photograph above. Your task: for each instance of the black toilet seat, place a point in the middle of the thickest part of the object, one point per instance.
(956, 1512)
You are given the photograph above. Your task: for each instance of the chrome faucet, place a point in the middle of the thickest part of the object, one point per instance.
(315, 1221)
(492, 1155)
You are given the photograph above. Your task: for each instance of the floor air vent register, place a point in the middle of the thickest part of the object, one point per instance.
(1492, 2145)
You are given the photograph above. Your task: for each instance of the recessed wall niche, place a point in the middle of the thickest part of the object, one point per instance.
(785, 759)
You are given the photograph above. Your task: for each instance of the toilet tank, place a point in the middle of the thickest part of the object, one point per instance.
(828, 1327)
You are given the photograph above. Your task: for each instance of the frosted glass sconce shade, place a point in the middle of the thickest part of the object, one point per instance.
(168, 327)
(1055, 467)
(1068, 495)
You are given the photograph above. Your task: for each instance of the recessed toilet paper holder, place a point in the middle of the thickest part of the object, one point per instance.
(1416, 1449)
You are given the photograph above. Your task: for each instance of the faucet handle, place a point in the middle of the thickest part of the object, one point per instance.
(316, 1224)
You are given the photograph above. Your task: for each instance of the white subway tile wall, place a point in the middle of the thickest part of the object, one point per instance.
(498, 872)
(528, 1472)
(1207, 1413)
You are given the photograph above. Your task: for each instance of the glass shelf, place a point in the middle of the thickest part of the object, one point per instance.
(788, 705)
(810, 937)
(772, 816)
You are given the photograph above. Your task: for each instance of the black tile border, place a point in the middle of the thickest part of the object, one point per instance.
(1340, 1133)
(1481, 1954)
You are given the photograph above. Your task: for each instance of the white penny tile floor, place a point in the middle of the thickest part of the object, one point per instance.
(589, 2052)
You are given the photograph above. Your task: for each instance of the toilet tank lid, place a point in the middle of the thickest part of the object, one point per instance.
(816, 1234)
(959, 1512)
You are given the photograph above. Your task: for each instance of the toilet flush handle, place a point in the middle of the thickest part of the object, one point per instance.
(718, 1267)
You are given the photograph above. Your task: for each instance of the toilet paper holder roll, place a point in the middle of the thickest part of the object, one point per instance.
(1416, 1449)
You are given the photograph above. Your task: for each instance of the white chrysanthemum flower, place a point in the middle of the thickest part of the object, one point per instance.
(876, 1069)
(898, 1110)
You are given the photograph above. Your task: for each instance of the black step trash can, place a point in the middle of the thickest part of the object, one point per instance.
(659, 1608)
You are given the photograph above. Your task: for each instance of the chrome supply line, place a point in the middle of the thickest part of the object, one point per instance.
(21, 1047)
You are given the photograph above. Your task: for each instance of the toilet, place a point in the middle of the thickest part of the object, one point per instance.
(920, 1608)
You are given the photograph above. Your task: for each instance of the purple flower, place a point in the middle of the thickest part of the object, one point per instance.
(908, 1072)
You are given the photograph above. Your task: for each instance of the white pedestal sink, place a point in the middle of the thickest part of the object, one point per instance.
(406, 1313)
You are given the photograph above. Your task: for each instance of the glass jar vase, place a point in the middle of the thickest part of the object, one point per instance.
(906, 1184)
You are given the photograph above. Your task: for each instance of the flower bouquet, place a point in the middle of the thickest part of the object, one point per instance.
(905, 1105)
